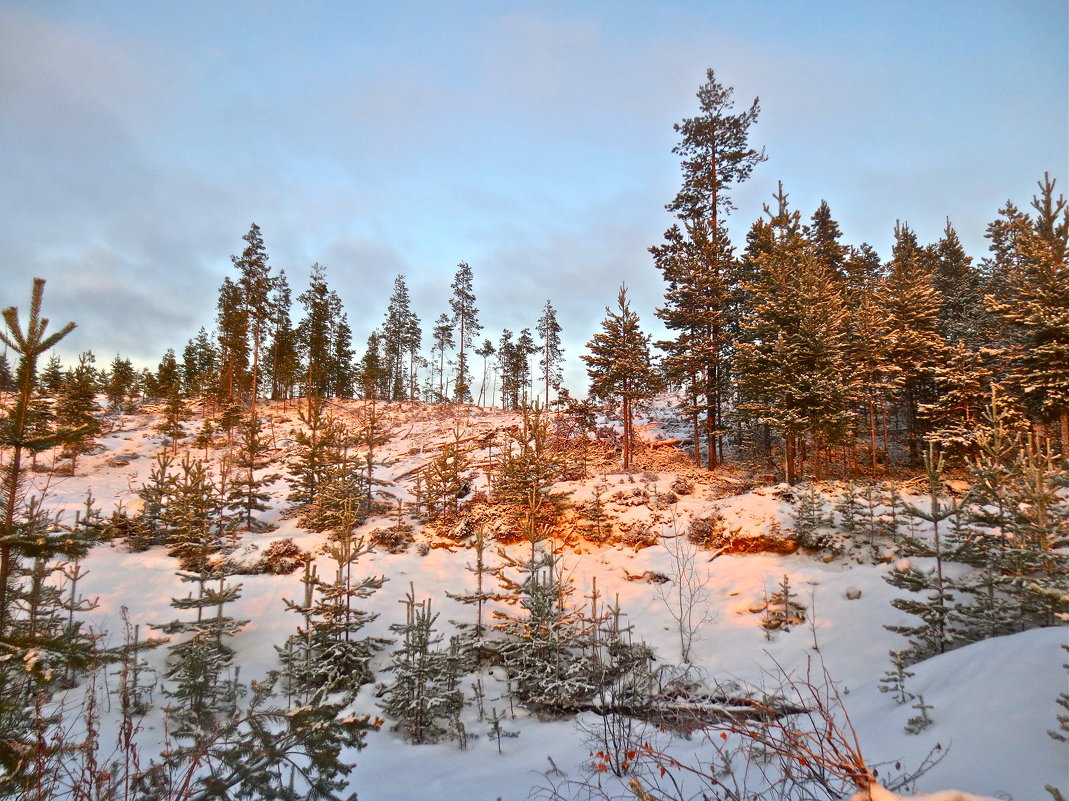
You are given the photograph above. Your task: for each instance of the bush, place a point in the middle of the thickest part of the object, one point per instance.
(282, 557)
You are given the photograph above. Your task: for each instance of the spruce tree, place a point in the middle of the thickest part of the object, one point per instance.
(329, 655)
(448, 475)
(52, 376)
(953, 419)
(167, 380)
(546, 654)
(481, 594)
(317, 443)
(7, 378)
(316, 335)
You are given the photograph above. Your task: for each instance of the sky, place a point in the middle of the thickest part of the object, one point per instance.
(531, 139)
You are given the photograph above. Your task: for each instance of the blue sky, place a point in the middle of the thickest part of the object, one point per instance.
(531, 139)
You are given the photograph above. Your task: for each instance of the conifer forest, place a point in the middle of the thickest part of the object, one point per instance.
(811, 544)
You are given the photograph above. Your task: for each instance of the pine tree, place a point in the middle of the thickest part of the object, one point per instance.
(255, 284)
(696, 259)
(552, 355)
(529, 467)
(715, 154)
(960, 285)
(546, 653)
(933, 601)
(442, 335)
(401, 339)
(793, 372)
(447, 477)
(424, 697)
(698, 268)
(486, 350)
(522, 353)
(506, 360)
(77, 410)
(232, 327)
(911, 304)
(15, 433)
(283, 360)
(1034, 304)
(466, 321)
(953, 419)
(620, 367)
(247, 495)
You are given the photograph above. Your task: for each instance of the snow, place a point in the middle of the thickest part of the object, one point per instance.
(992, 702)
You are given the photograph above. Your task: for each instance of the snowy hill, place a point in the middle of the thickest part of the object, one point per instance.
(991, 703)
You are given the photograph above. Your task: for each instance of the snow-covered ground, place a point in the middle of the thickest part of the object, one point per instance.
(992, 702)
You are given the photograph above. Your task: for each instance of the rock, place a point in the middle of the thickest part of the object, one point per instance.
(852, 593)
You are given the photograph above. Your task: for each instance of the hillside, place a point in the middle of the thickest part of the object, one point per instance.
(991, 702)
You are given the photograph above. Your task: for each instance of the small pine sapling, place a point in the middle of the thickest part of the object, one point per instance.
(594, 511)
(782, 609)
(933, 598)
(894, 680)
(480, 595)
(1061, 734)
(810, 521)
(849, 508)
(425, 697)
(891, 520)
(922, 720)
(496, 731)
